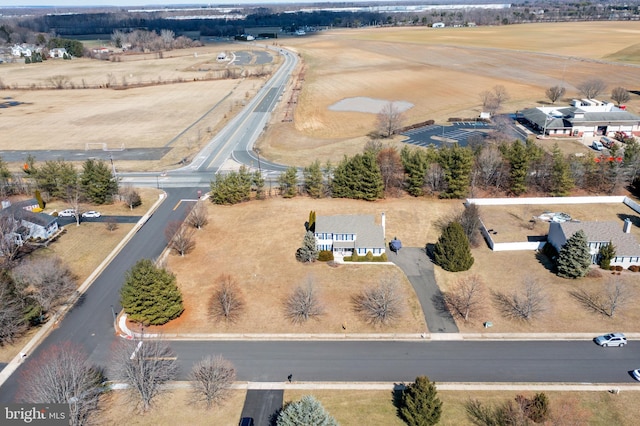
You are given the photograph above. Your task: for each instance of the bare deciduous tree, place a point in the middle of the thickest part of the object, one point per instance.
(525, 304)
(9, 245)
(47, 280)
(145, 365)
(303, 303)
(381, 304)
(554, 93)
(620, 95)
(389, 119)
(198, 217)
(131, 197)
(111, 224)
(466, 298)
(12, 322)
(490, 170)
(611, 298)
(392, 170)
(493, 100)
(227, 302)
(592, 87)
(59, 81)
(211, 379)
(180, 238)
(62, 374)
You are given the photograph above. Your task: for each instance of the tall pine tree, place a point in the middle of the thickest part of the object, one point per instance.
(605, 254)
(574, 258)
(420, 405)
(516, 154)
(416, 163)
(313, 180)
(452, 251)
(97, 182)
(150, 295)
(456, 163)
(309, 250)
(561, 180)
(358, 177)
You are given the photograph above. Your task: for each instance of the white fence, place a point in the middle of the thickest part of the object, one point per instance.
(535, 245)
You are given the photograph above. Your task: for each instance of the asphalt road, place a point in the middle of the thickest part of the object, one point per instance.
(90, 322)
(442, 361)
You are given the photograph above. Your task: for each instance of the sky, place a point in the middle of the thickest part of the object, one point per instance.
(89, 3)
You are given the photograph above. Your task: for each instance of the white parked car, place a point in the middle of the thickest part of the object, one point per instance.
(611, 339)
(67, 213)
(597, 145)
(91, 213)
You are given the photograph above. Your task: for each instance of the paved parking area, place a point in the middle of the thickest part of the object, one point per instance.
(438, 135)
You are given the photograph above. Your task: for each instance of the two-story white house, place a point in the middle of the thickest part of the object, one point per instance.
(599, 234)
(345, 234)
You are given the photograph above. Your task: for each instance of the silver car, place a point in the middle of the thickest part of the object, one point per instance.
(611, 339)
(67, 213)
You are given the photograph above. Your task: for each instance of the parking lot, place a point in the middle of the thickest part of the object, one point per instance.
(437, 135)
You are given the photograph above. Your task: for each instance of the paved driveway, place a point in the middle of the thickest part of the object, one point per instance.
(418, 268)
(263, 406)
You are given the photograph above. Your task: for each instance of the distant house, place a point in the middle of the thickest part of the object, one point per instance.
(345, 234)
(599, 234)
(438, 25)
(31, 224)
(57, 52)
(18, 50)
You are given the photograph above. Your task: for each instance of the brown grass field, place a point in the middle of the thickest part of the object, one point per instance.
(442, 72)
(351, 408)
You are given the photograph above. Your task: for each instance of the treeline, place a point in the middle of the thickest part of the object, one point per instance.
(105, 23)
(499, 169)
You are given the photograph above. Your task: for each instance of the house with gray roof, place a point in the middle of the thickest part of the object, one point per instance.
(599, 234)
(31, 224)
(345, 234)
(585, 117)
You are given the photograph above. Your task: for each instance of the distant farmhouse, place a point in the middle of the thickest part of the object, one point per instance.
(584, 117)
(346, 234)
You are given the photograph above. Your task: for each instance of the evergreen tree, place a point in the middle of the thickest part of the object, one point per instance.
(516, 154)
(308, 412)
(605, 254)
(55, 177)
(420, 405)
(561, 180)
(416, 163)
(289, 182)
(150, 295)
(456, 163)
(574, 258)
(258, 183)
(309, 250)
(358, 177)
(452, 251)
(97, 182)
(232, 188)
(313, 181)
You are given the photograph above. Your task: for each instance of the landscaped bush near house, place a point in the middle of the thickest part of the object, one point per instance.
(325, 255)
(368, 257)
(372, 258)
(634, 268)
(618, 268)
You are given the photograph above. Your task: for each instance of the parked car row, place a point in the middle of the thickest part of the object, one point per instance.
(73, 213)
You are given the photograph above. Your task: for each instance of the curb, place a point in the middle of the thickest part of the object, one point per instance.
(13, 365)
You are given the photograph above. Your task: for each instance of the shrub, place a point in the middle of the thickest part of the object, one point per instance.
(368, 257)
(347, 258)
(618, 268)
(355, 257)
(383, 257)
(634, 268)
(325, 255)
